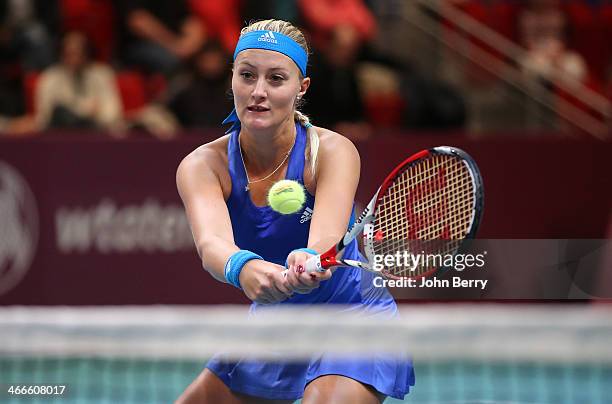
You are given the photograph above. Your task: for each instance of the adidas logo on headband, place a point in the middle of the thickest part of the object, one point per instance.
(267, 37)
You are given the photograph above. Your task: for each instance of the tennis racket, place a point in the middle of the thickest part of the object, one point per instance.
(430, 204)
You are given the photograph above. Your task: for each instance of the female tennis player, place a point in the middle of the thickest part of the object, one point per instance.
(243, 242)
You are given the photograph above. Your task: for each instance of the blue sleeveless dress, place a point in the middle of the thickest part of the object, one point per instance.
(274, 236)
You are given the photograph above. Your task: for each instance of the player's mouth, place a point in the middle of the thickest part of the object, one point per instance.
(257, 108)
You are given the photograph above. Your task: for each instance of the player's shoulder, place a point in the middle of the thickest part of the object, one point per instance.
(211, 156)
(334, 144)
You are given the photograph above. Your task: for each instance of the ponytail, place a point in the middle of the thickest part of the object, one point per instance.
(312, 136)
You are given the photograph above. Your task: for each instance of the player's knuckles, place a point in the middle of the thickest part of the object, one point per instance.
(297, 258)
(291, 259)
(283, 281)
(301, 259)
(284, 287)
(293, 282)
(263, 289)
(294, 278)
(258, 294)
(276, 295)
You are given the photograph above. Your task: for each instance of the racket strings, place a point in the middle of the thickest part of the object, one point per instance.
(427, 210)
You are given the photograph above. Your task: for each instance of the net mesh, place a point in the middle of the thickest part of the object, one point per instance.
(428, 209)
(462, 353)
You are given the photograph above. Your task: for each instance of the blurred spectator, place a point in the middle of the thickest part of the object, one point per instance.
(95, 19)
(26, 32)
(221, 20)
(542, 30)
(253, 10)
(199, 97)
(339, 29)
(431, 103)
(77, 92)
(334, 99)
(80, 93)
(157, 35)
(324, 18)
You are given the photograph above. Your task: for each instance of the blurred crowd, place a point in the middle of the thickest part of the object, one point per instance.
(155, 66)
(567, 42)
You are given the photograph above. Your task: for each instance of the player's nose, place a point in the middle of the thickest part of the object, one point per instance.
(260, 90)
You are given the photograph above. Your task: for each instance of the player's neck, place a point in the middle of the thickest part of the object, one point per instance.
(263, 149)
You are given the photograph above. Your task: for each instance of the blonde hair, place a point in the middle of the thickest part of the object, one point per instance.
(290, 30)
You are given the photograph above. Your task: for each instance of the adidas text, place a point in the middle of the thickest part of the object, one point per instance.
(267, 37)
(306, 215)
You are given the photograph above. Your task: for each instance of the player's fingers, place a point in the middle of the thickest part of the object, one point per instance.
(267, 292)
(316, 277)
(274, 295)
(291, 276)
(309, 279)
(294, 281)
(282, 285)
(298, 258)
(262, 300)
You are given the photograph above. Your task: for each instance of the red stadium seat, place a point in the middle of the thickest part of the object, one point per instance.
(605, 15)
(95, 18)
(132, 88)
(502, 17)
(30, 81)
(484, 14)
(384, 110)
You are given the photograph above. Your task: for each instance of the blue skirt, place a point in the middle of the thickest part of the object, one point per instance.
(390, 375)
(287, 381)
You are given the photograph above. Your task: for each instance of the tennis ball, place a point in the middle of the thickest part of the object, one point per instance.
(286, 197)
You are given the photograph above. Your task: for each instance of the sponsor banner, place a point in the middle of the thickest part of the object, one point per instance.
(18, 227)
(92, 221)
(87, 220)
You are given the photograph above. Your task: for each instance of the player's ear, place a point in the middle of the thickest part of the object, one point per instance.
(304, 86)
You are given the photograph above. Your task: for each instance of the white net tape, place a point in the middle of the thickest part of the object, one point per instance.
(549, 333)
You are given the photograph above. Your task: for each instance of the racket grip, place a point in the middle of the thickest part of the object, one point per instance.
(313, 264)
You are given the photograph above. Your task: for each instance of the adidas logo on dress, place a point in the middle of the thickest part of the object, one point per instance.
(267, 37)
(306, 215)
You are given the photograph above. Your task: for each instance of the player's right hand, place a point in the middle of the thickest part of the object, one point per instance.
(299, 280)
(263, 282)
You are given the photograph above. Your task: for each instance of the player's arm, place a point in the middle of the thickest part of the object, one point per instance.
(337, 177)
(200, 189)
(199, 186)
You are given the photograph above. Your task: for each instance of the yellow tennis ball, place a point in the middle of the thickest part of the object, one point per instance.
(286, 197)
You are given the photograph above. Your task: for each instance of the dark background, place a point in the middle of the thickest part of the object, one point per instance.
(542, 188)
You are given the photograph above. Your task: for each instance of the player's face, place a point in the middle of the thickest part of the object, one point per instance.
(265, 86)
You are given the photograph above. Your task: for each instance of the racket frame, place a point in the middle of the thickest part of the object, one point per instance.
(365, 223)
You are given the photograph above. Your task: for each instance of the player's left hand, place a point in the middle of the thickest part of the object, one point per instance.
(301, 281)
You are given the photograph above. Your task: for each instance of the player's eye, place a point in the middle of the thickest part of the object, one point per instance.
(247, 75)
(277, 78)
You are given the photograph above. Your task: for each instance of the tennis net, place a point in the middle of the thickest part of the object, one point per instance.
(471, 353)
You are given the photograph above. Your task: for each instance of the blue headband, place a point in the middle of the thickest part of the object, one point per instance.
(268, 40)
(274, 41)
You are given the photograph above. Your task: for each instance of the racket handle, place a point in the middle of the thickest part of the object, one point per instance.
(313, 264)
